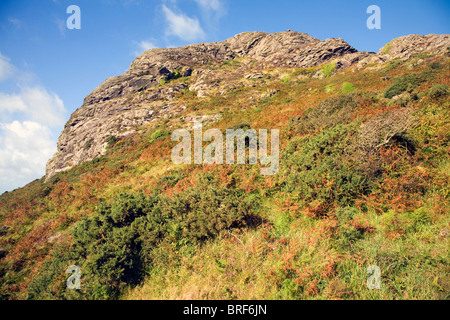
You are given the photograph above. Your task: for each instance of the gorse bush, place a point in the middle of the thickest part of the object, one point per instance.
(111, 140)
(407, 83)
(114, 246)
(438, 91)
(435, 65)
(317, 174)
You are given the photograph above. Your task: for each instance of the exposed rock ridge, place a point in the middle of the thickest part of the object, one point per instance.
(116, 109)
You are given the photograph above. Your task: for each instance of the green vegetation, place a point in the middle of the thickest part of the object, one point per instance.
(329, 88)
(175, 75)
(317, 175)
(406, 83)
(386, 48)
(347, 87)
(117, 244)
(159, 134)
(327, 114)
(363, 180)
(112, 141)
(328, 69)
(87, 145)
(438, 91)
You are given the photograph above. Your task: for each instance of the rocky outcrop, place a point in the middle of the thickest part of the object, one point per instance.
(405, 47)
(144, 93)
(284, 49)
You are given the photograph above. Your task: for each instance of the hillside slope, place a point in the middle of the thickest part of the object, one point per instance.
(363, 178)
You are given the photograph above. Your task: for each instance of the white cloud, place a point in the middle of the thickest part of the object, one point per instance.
(214, 5)
(29, 119)
(144, 45)
(25, 148)
(34, 104)
(182, 26)
(6, 68)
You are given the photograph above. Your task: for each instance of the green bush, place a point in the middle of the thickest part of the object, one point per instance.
(329, 69)
(175, 75)
(111, 140)
(347, 87)
(435, 65)
(438, 91)
(317, 172)
(159, 134)
(394, 64)
(407, 83)
(115, 246)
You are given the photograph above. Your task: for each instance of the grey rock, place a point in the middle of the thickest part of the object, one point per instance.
(121, 104)
(404, 47)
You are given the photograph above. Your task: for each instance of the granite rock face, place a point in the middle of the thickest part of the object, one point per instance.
(406, 46)
(145, 93)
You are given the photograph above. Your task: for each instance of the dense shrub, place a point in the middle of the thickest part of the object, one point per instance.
(407, 83)
(111, 140)
(317, 174)
(114, 246)
(435, 65)
(438, 91)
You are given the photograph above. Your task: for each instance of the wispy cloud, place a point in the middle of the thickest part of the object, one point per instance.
(210, 5)
(143, 46)
(15, 22)
(180, 25)
(6, 68)
(62, 26)
(211, 12)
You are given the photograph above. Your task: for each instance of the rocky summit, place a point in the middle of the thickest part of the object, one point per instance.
(144, 93)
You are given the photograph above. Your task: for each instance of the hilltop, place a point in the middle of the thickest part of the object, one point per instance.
(363, 178)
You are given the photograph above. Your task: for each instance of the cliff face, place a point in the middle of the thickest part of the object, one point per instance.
(144, 93)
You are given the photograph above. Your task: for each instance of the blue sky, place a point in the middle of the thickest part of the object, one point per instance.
(46, 69)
